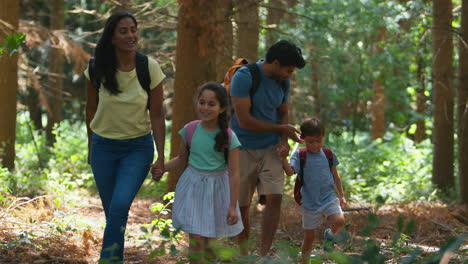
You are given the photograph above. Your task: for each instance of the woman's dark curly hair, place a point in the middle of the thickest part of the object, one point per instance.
(222, 138)
(105, 62)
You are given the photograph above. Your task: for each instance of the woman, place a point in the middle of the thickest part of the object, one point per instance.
(120, 142)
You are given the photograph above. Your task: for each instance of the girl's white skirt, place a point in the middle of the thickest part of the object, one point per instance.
(201, 204)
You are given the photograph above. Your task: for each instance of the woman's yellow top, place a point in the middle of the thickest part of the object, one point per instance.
(125, 115)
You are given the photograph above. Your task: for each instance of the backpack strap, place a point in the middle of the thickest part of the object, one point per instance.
(91, 73)
(255, 72)
(302, 161)
(142, 70)
(329, 155)
(189, 130)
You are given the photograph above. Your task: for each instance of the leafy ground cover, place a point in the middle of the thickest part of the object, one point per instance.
(39, 230)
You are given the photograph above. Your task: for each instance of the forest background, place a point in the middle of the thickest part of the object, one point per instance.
(388, 78)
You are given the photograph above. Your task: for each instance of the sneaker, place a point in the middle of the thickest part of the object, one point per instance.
(328, 240)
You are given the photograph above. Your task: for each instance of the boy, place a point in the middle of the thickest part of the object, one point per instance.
(318, 190)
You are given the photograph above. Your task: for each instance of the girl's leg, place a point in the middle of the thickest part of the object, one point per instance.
(197, 249)
(210, 253)
(131, 172)
(307, 243)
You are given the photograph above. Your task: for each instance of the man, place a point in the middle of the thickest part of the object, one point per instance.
(261, 124)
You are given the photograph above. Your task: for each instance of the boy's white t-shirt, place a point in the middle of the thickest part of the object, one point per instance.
(125, 115)
(319, 187)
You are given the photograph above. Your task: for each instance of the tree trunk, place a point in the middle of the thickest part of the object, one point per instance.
(420, 133)
(274, 16)
(225, 48)
(314, 81)
(248, 24)
(462, 105)
(198, 34)
(378, 100)
(443, 138)
(55, 84)
(9, 13)
(463, 156)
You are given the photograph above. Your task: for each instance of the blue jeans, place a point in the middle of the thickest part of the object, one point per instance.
(119, 168)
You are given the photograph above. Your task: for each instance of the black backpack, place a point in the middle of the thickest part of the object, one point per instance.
(256, 78)
(141, 65)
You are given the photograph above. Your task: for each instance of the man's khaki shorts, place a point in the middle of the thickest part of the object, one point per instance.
(261, 169)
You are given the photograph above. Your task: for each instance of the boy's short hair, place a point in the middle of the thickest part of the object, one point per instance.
(312, 127)
(286, 53)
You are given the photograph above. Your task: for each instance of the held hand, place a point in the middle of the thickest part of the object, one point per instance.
(343, 203)
(291, 132)
(157, 169)
(283, 149)
(232, 216)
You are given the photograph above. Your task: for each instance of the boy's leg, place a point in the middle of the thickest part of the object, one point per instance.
(336, 219)
(310, 221)
(307, 244)
(337, 222)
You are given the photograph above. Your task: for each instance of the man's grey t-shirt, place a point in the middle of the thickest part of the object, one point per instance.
(319, 187)
(266, 100)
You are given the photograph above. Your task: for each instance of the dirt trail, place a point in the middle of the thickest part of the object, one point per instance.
(41, 231)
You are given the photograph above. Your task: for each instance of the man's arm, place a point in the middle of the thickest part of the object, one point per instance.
(247, 121)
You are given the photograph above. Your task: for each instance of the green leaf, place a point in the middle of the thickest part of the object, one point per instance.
(12, 43)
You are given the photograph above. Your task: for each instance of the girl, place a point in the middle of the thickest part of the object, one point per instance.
(120, 116)
(205, 203)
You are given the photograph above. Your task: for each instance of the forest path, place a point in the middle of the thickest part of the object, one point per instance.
(39, 230)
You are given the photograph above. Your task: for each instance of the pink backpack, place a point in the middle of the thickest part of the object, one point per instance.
(190, 129)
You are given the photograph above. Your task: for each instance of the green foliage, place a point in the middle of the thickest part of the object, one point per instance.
(394, 167)
(163, 225)
(11, 43)
(41, 169)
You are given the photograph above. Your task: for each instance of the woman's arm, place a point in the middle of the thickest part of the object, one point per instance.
(158, 124)
(91, 108)
(234, 182)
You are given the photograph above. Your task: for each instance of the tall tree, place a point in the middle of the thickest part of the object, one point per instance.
(420, 133)
(198, 35)
(463, 105)
(225, 49)
(273, 19)
(443, 138)
(248, 24)
(9, 20)
(54, 87)
(378, 99)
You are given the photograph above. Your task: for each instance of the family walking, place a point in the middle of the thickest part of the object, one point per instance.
(227, 155)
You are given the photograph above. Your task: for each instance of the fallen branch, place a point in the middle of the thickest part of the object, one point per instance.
(11, 208)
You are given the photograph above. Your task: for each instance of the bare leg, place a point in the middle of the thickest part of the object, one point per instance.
(271, 218)
(337, 222)
(307, 243)
(243, 237)
(210, 254)
(196, 249)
